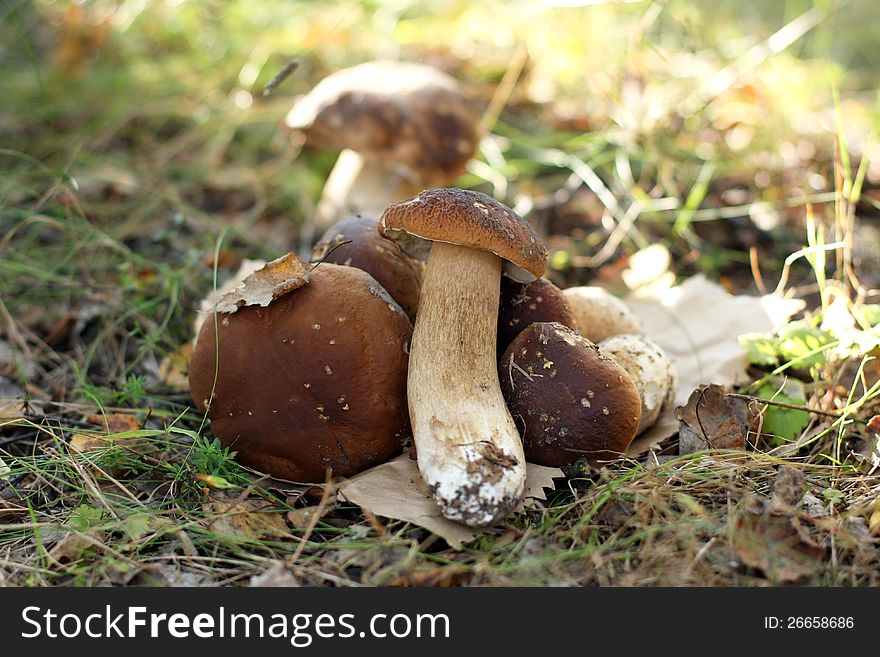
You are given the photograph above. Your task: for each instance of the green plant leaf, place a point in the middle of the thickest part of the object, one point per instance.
(799, 341)
(833, 495)
(785, 424)
(870, 314)
(761, 348)
(85, 517)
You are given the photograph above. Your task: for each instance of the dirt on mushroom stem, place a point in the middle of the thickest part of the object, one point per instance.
(469, 450)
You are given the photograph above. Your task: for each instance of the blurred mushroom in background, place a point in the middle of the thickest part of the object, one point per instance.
(401, 127)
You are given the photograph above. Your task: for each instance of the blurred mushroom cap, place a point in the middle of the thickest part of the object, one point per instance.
(400, 112)
(600, 314)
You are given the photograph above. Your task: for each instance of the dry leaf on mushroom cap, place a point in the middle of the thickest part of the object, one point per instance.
(305, 370)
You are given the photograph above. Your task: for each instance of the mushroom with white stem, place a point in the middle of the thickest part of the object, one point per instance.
(468, 447)
(401, 127)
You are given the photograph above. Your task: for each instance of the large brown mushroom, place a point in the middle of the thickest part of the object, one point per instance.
(304, 371)
(356, 242)
(401, 127)
(568, 400)
(523, 304)
(469, 451)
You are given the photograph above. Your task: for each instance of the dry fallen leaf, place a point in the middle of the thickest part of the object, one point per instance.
(712, 420)
(698, 325)
(789, 486)
(302, 518)
(770, 538)
(167, 575)
(272, 281)
(72, 546)
(173, 368)
(82, 32)
(11, 400)
(276, 575)
(396, 490)
(250, 519)
(439, 577)
(113, 424)
(207, 305)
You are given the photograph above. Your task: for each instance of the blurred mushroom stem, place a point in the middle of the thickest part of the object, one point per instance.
(357, 185)
(469, 449)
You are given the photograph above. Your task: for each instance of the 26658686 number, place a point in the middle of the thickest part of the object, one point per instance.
(819, 622)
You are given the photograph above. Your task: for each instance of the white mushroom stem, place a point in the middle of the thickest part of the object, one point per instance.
(469, 450)
(356, 185)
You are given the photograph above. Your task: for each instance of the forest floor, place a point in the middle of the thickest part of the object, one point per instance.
(141, 164)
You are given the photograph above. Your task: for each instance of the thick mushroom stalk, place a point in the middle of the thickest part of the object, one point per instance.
(469, 449)
(365, 186)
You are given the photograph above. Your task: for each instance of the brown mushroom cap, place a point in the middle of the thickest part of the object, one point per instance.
(397, 111)
(567, 399)
(355, 242)
(600, 314)
(315, 379)
(466, 218)
(524, 304)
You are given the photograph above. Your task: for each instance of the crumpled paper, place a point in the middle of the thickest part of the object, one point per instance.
(698, 325)
(396, 490)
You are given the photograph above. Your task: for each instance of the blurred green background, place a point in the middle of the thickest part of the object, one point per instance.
(707, 126)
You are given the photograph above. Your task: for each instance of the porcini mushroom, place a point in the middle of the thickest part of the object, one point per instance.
(401, 127)
(304, 371)
(469, 450)
(523, 304)
(650, 369)
(568, 399)
(356, 242)
(599, 314)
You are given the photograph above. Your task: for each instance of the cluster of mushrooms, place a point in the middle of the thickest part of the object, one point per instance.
(395, 330)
